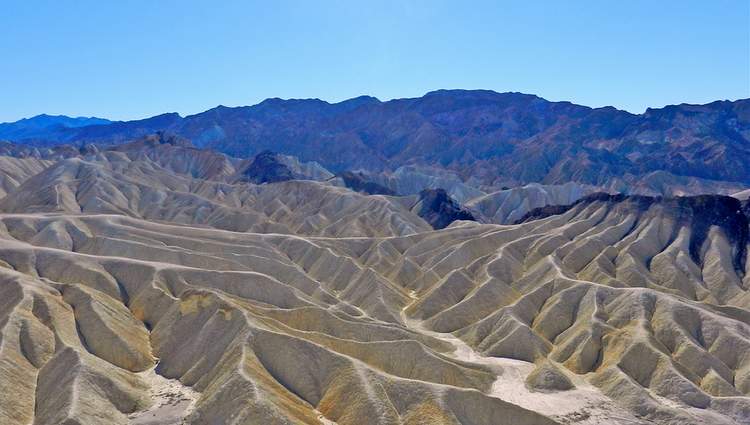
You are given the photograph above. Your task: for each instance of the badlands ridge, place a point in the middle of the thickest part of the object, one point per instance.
(157, 283)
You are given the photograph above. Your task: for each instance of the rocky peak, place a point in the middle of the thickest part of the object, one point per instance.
(266, 168)
(439, 209)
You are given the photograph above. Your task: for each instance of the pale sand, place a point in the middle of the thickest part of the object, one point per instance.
(172, 401)
(584, 405)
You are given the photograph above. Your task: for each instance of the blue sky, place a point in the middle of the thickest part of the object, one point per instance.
(133, 59)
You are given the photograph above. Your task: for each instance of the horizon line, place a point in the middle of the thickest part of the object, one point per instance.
(330, 102)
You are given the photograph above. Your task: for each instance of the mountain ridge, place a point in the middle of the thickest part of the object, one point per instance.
(43, 124)
(497, 139)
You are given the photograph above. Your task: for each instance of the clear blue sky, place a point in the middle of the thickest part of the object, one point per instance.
(133, 59)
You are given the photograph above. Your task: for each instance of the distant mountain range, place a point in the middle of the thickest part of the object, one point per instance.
(486, 137)
(45, 127)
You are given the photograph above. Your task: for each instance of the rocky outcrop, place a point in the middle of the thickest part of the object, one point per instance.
(359, 182)
(269, 167)
(266, 168)
(438, 209)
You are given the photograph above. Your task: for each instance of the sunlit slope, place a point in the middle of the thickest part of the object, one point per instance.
(115, 183)
(620, 310)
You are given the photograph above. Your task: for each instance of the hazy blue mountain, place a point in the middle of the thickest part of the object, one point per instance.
(45, 126)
